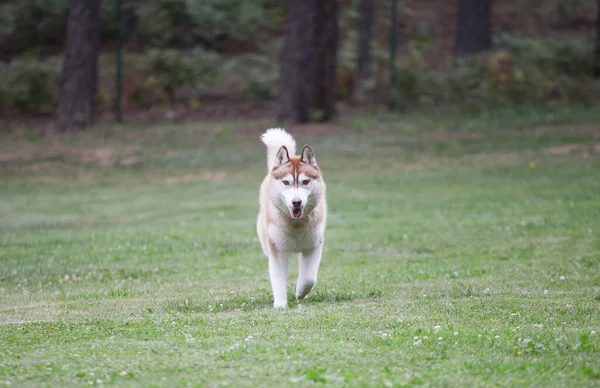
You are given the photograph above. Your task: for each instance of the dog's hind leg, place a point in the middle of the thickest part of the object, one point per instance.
(278, 273)
(308, 268)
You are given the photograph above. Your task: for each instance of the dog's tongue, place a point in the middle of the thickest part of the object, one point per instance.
(297, 212)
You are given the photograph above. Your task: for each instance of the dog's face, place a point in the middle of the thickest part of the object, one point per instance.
(296, 184)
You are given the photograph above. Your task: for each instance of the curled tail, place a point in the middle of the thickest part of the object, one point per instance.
(274, 138)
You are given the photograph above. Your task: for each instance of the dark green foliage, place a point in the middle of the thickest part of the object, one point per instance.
(519, 71)
(565, 56)
(159, 23)
(28, 86)
(27, 25)
(187, 23)
(32, 86)
(167, 72)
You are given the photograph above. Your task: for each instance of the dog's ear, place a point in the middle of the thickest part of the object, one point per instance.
(282, 157)
(308, 156)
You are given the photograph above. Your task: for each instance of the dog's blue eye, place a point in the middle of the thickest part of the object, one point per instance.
(286, 182)
(306, 181)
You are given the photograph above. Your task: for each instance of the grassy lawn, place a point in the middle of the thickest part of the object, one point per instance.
(460, 251)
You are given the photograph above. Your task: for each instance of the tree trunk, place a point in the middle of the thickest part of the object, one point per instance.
(307, 78)
(325, 43)
(79, 85)
(597, 50)
(297, 62)
(473, 30)
(363, 59)
(95, 32)
(365, 33)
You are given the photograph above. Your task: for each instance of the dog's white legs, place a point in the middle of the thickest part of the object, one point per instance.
(278, 274)
(308, 268)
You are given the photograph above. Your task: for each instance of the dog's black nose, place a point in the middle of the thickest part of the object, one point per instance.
(296, 202)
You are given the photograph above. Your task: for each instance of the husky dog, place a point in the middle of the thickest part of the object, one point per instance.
(292, 213)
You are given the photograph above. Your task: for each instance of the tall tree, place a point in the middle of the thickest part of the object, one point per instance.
(473, 30)
(79, 84)
(597, 50)
(365, 34)
(326, 37)
(309, 58)
(295, 74)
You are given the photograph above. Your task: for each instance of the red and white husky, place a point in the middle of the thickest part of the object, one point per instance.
(292, 213)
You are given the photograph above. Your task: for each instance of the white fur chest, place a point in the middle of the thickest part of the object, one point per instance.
(297, 238)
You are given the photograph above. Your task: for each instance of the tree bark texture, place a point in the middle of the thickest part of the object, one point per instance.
(297, 62)
(473, 30)
(79, 84)
(597, 50)
(365, 34)
(325, 44)
(307, 77)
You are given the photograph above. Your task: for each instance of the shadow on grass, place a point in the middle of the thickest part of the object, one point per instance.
(264, 300)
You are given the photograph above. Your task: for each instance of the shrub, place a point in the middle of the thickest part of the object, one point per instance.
(346, 71)
(169, 72)
(160, 23)
(259, 73)
(27, 24)
(518, 72)
(570, 56)
(186, 23)
(29, 86)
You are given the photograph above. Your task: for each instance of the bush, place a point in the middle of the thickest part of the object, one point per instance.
(518, 72)
(260, 76)
(25, 25)
(185, 23)
(346, 75)
(29, 86)
(181, 23)
(166, 73)
(569, 56)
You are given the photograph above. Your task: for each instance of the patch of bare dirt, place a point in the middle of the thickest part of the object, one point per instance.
(569, 148)
(206, 176)
(104, 156)
(564, 149)
(453, 135)
(311, 129)
(20, 151)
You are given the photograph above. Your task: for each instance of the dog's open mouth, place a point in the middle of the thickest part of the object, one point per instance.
(297, 212)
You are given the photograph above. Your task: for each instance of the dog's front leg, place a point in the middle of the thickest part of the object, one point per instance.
(278, 264)
(308, 268)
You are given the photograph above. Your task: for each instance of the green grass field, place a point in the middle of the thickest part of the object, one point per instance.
(460, 251)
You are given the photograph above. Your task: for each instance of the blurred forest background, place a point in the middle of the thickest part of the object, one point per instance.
(223, 59)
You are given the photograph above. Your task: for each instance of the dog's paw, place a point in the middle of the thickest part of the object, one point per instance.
(280, 304)
(304, 288)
